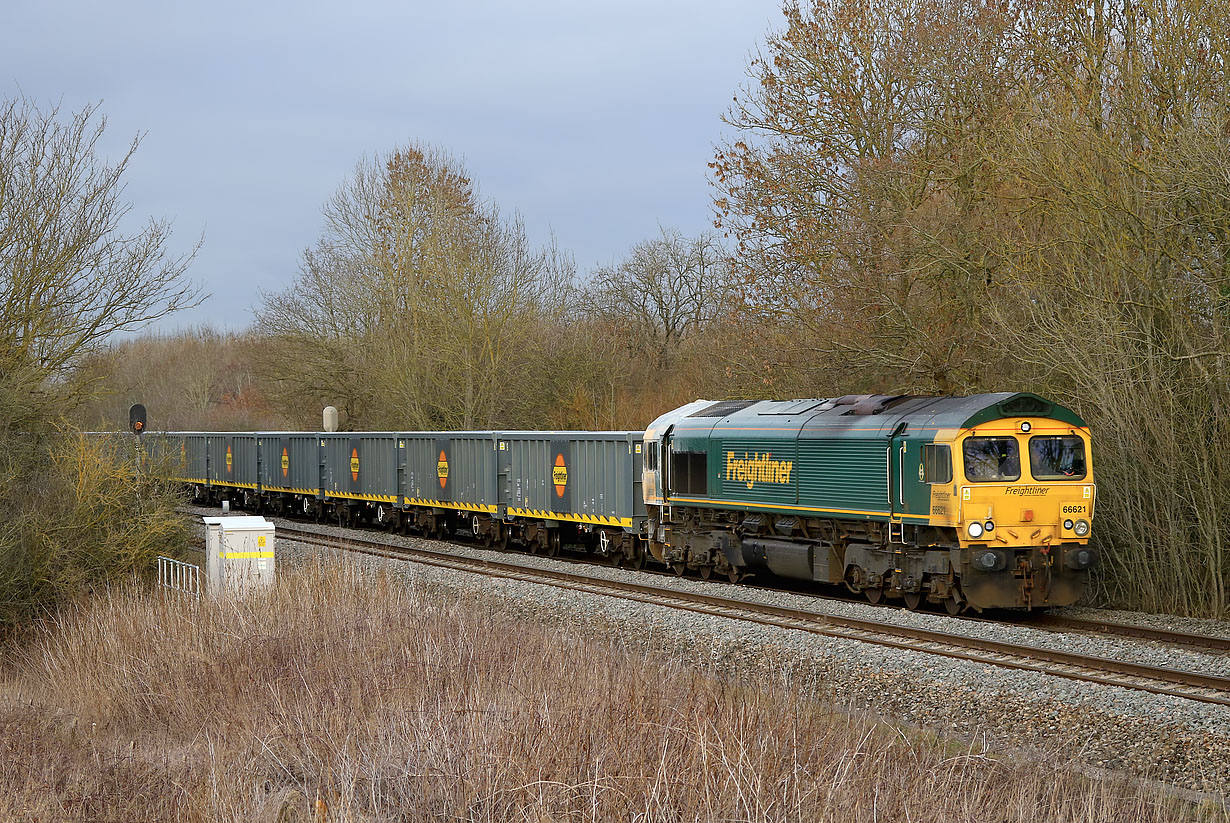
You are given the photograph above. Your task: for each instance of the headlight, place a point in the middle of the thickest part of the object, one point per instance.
(1067, 524)
(1082, 528)
(975, 530)
(990, 526)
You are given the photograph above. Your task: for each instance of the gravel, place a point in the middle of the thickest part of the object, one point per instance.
(1178, 741)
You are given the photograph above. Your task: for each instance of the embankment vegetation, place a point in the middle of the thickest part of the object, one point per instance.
(72, 513)
(380, 698)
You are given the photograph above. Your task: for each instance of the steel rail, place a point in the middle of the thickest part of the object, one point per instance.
(1203, 687)
(1063, 623)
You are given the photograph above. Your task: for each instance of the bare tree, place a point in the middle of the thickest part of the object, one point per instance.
(664, 290)
(69, 275)
(419, 303)
(854, 186)
(198, 379)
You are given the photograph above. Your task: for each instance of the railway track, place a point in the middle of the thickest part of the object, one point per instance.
(1059, 623)
(1204, 643)
(1063, 624)
(1199, 686)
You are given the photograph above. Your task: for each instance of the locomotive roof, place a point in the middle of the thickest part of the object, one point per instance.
(859, 413)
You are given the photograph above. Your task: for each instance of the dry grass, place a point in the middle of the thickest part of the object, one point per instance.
(393, 702)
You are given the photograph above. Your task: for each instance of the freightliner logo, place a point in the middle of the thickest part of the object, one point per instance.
(759, 468)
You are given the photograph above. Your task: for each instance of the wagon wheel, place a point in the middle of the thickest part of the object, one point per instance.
(617, 559)
(553, 543)
(913, 600)
(680, 569)
(441, 529)
(636, 560)
(874, 594)
(500, 541)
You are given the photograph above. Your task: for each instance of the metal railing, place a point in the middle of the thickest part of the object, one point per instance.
(179, 576)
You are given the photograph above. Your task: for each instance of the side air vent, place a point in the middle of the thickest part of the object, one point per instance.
(722, 408)
(1025, 405)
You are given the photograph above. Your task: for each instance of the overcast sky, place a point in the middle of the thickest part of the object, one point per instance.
(594, 120)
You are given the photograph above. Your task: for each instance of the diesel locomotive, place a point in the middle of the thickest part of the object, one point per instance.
(976, 502)
(971, 502)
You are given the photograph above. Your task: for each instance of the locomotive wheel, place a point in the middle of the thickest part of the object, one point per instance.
(913, 600)
(734, 575)
(953, 606)
(680, 569)
(706, 572)
(874, 594)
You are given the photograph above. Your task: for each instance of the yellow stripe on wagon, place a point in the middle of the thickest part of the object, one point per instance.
(593, 519)
(448, 504)
(375, 498)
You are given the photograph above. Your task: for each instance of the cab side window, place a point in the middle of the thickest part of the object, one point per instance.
(937, 464)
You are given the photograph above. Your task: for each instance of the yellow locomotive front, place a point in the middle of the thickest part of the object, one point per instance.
(1022, 507)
